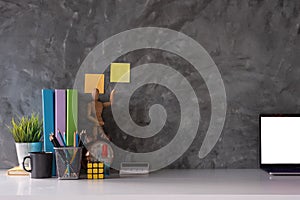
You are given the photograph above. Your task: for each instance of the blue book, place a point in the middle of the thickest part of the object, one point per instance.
(48, 122)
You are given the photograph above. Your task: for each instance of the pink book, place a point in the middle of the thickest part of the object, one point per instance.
(60, 113)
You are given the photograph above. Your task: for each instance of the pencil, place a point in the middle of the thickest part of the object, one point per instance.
(74, 144)
(54, 141)
(61, 138)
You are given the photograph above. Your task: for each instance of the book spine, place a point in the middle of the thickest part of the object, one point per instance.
(48, 122)
(60, 113)
(72, 115)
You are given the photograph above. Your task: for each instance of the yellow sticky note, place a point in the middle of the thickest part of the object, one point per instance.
(120, 72)
(94, 81)
(89, 171)
(95, 171)
(101, 170)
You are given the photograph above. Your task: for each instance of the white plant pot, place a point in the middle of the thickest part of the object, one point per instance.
(24, 148)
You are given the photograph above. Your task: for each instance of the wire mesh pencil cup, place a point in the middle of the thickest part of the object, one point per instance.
(68, 162)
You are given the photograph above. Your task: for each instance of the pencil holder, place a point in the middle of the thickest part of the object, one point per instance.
(68, 162)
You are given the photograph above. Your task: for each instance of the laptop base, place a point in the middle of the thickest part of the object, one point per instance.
(284, 173)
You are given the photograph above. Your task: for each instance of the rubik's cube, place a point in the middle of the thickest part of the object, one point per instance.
(97, 170)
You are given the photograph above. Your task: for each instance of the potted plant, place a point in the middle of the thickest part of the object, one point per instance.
(27, 133)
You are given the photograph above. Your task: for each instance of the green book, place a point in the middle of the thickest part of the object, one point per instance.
(72, 115)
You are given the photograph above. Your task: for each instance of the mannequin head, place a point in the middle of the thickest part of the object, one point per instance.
(95, 94)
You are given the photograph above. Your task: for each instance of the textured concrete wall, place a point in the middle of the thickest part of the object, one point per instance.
(255, 44)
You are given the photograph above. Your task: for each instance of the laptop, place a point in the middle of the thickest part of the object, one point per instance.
(279, 142)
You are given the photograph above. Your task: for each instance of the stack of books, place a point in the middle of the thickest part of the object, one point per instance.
(60, 112)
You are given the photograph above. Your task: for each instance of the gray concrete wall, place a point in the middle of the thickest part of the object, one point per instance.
(255, 44)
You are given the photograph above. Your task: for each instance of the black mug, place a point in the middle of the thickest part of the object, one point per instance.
(41, 164)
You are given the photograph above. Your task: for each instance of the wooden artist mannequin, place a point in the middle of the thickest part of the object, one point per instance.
(94, 114)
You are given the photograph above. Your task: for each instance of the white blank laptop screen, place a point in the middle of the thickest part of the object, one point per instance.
(280, 140)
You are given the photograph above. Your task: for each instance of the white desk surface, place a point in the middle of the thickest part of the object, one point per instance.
(165, 184)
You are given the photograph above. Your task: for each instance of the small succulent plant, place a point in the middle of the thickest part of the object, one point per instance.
(26, 129)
